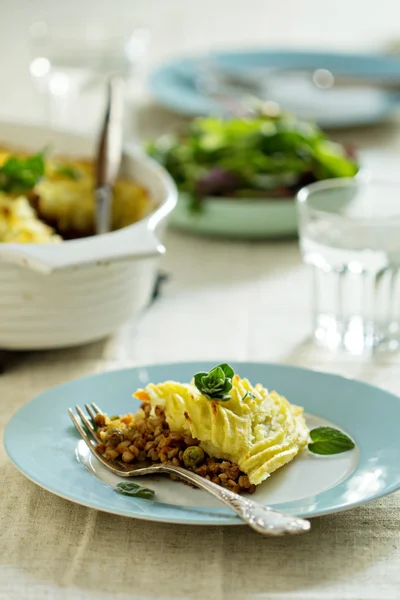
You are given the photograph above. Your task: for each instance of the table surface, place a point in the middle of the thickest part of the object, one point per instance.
(255, 299)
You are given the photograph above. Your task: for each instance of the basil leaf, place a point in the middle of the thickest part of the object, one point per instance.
(216, 384)
(68, 171)
(198, 380)
(227, 369)
(327, 440)
(21, 174)
(217, 375)
(130, 488)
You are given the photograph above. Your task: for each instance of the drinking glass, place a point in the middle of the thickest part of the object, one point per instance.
(350, 237)
(70, 64)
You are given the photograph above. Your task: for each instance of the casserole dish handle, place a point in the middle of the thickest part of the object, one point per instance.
(132, 243)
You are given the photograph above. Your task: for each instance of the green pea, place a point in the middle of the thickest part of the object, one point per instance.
(193, 456)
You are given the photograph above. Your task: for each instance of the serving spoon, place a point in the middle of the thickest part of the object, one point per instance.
(109, 154)
(262, 519)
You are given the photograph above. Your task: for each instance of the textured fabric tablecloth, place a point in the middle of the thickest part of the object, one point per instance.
(254, 300)
(223, 300)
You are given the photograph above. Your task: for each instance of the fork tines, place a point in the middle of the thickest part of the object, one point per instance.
(89, 434)
(89, 423)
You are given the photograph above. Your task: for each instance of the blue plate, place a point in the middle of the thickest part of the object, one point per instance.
(43, 445)
(173, 85)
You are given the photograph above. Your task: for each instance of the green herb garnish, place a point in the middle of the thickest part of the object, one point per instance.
(130, 488)
(327, 440)
(114, 417)
(68, 171)
(21, 174)
(216, 384)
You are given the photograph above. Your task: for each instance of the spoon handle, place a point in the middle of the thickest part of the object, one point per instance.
(262, 519)
(109, 153)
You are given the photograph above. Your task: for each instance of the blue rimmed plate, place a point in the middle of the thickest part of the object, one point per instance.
(174, 84)
(42, 443)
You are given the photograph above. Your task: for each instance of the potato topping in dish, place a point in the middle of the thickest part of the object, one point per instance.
(47, 199)
(234, 426)
(19, 223)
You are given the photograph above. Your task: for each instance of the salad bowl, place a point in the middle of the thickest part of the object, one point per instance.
(247, 218)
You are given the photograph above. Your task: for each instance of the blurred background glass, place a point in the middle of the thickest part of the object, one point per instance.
(349, 235)
(70, 65)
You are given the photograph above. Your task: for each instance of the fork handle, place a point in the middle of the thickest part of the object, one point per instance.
(260, 518)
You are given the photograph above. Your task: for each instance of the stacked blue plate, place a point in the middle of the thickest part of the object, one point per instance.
(174, 85)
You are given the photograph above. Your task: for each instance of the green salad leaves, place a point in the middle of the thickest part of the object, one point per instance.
(253, 157)
(17, 175)
(216, 384)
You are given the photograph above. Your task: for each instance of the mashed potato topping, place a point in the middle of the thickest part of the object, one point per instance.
(50, 198)
(19, 223)
(254, 428)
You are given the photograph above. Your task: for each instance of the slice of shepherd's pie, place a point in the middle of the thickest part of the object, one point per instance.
(219, 425)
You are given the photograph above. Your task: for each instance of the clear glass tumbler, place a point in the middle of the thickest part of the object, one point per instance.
(70, 64)
(350, 236)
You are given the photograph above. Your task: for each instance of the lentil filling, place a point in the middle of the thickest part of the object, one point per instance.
(151, 438)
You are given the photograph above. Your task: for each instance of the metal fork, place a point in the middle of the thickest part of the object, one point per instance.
(260, 518)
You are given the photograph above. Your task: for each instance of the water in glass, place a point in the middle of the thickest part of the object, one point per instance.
(350, 236)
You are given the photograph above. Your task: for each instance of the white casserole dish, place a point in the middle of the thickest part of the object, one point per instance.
(78, 291)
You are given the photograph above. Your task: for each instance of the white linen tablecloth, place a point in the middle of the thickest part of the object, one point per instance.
(223, 300)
